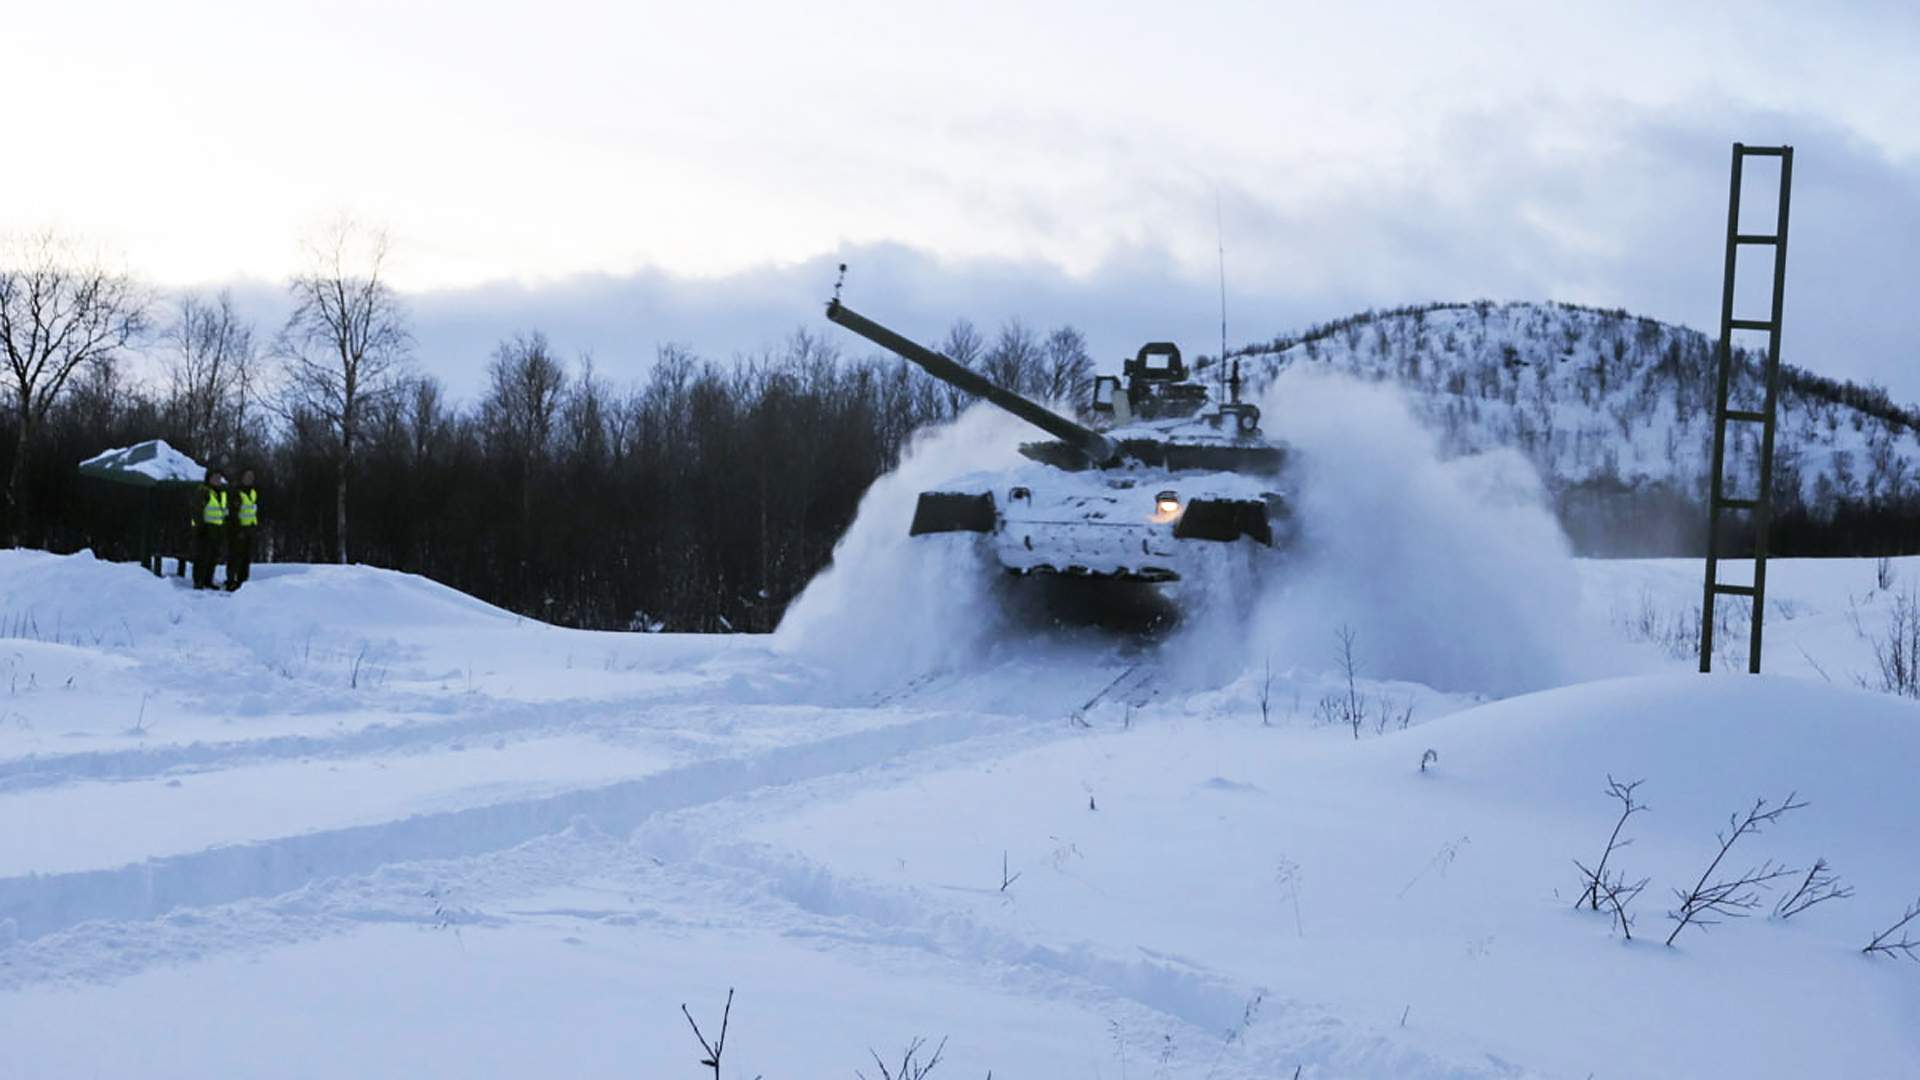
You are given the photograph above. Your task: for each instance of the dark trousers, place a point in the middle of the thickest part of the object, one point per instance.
(239, 556)
(206, 555)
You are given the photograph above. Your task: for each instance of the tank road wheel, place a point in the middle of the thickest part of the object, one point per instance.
(953, 511)
(1226, 519)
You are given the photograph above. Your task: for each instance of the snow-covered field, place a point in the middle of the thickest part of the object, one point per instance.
(348, 822)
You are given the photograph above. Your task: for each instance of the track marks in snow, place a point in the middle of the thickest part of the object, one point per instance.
(1209, 1011)
(39, 904)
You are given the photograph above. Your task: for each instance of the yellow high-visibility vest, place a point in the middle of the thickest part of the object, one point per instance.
(215, 512)
(249, 508)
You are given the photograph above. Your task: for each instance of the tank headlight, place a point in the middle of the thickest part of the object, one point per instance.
(1166, 504)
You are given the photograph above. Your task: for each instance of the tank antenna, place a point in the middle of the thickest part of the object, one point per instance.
(1220, 245)
(839, 281)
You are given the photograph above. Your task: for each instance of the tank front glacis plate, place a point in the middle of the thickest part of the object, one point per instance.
(1079, 537)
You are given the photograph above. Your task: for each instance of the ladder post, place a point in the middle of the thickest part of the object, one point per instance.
(1764, 512)
(1725, 351)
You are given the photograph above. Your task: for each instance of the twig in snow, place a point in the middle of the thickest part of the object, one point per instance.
(1440, 861)
(1812, 663)
(1005, 880)
(1164, 1059)
(1629, 806)
(1885, 944)
(1288, 876)
(1266, 693)
(718, 1046)
(1898, 655)
(1710, 901)
(1234, 1034)
(1356, 710)
(1820, 884)
(911, 1068)
(1615, 894)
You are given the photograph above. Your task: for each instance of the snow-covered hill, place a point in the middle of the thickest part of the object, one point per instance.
(1616, 412)
(347, 822)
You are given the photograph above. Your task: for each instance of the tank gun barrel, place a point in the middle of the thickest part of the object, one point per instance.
(1097, 447)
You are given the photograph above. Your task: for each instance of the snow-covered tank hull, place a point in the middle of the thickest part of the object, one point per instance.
(1101, 524)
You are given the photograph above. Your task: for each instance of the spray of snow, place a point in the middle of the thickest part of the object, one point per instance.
(1453, 573)
(891, 605)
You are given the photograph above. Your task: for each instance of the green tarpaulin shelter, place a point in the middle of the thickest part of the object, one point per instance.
(157, 468)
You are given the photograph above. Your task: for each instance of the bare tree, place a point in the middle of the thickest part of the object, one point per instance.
(1352, 709)
(428, 420)
(524, 392)
(209, 360)
(1014, 362)
(58, 314)
(345, 346)
(1711, 899)
(1597, 876)
(964, 346)
(1066, 369)
(1898, 654)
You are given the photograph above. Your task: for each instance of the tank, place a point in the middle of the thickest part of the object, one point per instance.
(1162, 471)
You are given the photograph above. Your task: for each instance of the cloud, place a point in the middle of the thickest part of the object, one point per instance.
(1620, 206)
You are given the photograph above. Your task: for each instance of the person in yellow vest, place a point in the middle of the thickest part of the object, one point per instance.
(209, 527)
(243, 524)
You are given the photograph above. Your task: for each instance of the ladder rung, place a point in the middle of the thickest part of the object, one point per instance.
(1750, 324)
(1737, 504)
(1755, 238)
(1764, 151)
(1747, 414)
(1733, 590)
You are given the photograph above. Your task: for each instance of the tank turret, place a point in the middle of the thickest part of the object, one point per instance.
(1164, 472)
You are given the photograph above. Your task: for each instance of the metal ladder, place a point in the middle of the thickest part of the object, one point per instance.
(1760, 506)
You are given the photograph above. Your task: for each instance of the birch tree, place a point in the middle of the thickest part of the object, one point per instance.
(59, 313)
(345, 347)
(208, 358)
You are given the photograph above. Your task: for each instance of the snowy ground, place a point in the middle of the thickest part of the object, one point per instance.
(348, 822)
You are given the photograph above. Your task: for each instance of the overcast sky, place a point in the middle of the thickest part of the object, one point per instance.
(622, 175)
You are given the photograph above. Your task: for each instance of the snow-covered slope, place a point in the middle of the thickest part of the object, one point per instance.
(1604, 403)
(346, 822)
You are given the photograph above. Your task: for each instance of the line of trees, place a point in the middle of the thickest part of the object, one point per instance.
(702, 497)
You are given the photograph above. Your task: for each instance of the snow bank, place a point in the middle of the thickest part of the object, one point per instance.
(83, 600)
(1354, 890)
